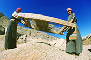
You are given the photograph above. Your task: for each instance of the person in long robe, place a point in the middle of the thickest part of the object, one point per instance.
(73, 37)
(11, 33)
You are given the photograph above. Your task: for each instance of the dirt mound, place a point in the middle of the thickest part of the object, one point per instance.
(39, 49)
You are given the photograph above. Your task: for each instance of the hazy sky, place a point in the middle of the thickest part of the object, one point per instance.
(53, 8)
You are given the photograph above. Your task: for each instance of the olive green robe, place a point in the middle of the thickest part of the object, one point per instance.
(73, 38)
(11, 34)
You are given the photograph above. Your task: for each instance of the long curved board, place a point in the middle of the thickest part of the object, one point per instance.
(46, 18)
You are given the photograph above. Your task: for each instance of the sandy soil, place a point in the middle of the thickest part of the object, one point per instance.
(39, 49)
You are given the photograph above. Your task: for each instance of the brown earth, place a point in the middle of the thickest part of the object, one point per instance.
(40, 49)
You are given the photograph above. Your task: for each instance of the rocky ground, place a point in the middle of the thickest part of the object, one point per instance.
(42, 49)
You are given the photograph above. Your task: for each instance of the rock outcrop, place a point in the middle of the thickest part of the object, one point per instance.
(3, 23)
(87, 40)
